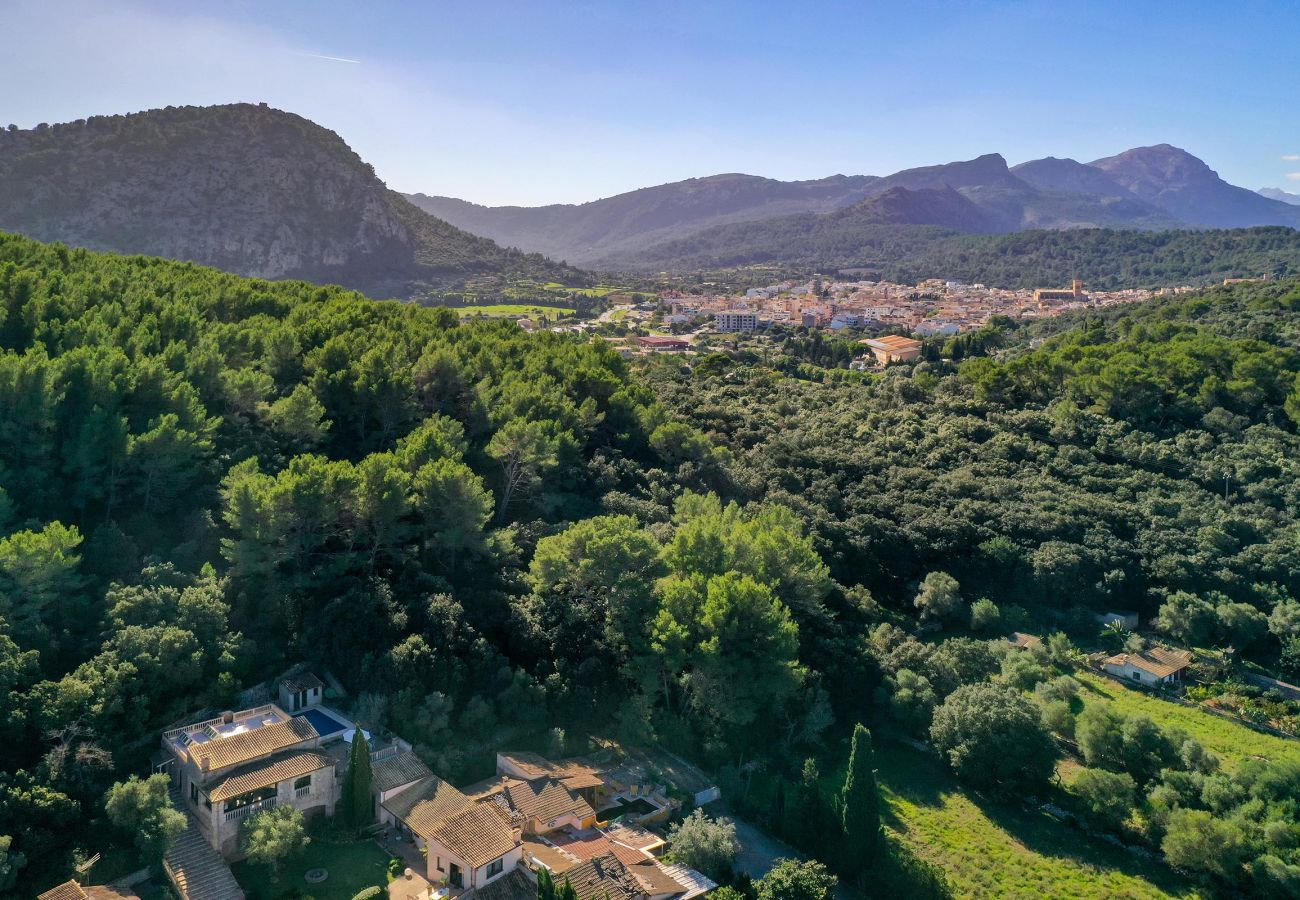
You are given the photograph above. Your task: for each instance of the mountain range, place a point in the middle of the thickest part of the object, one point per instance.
(267, 193)
(243, 187)
(1279, 194)
(1146, 188)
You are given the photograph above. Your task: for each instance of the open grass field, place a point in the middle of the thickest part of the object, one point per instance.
(515, 310)
(992, 850)
(352, 868)
(1232, 741)
(600, 290)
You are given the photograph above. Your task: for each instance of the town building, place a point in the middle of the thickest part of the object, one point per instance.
(661, 344)
(736, 320)
(892, 348)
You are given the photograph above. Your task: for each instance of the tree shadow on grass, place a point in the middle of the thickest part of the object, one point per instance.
(1091, 688)
(1047, 836)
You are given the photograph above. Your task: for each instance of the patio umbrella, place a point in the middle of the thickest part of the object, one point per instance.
(352, 733)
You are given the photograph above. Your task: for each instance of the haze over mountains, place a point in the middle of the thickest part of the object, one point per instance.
(242, 187)
(1147, 188)
(1279, 194)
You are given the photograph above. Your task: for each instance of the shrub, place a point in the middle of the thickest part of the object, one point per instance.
(992, 737)
(1107, 795)
(985, 615)
(1058, 719)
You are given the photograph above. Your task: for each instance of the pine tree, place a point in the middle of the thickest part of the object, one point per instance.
(567, 892)
(358, 807)
(860, 801)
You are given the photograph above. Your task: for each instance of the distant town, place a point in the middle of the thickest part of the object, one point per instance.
(676, 319)
(932, 307)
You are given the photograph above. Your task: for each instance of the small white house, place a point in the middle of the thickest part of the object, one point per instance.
(1155, 667)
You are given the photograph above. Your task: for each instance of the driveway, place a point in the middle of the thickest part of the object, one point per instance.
(759, 851)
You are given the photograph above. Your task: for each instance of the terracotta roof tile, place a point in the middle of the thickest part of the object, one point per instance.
(477, 835)
(1156, 661)
(514, 886)
(263, 774)
(396, 771)
(224, 752)
(303, 682)
(547, 800)
(601, 877)
(426, 803)
(69, 890)
(654, 878)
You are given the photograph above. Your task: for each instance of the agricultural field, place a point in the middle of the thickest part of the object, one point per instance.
(527, 290)
(1231, 741)
(515, 310)
(989, 849)
(600, 290)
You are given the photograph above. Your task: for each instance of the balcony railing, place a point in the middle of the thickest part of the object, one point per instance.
(238, 815)
(219, 720)
(303, 791)
(386, 753)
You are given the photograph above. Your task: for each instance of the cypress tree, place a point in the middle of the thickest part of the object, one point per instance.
(545, 885)
(812, 808)
(778, 807)
(860, 801)
(567, 892)
(358, 807)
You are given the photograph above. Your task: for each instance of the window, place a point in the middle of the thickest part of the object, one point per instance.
(438, 859)
(494, 868)
(303, 782)
(194, 792)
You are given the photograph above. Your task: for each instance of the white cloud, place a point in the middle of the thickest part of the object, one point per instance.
(1291, 157)
(1293, 176)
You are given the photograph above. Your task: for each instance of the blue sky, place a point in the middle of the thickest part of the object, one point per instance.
(537, 102)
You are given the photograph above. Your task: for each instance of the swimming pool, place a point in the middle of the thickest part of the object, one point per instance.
(323, 722)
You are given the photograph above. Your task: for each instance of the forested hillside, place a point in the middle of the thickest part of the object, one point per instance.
(208, 477)
(250, 189)
(1106, 259)
(1085, 474)
(487, 534)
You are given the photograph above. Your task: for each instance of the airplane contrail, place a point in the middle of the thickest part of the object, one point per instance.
(355, 62)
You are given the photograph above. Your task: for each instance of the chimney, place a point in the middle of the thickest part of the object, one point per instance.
(227, 717)
(205, 763)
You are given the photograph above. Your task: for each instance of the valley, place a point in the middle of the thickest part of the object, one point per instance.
(929, 533)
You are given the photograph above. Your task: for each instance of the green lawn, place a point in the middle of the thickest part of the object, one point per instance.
(992, 850)
(1231, 740)
(515, 310)
(352, 868)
